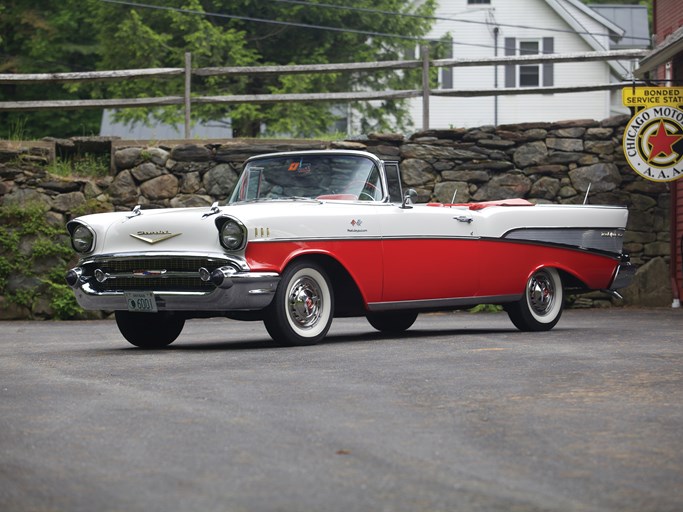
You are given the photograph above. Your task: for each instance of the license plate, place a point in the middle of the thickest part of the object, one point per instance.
(141, 302)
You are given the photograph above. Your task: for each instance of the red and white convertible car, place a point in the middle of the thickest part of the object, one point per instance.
(307, 236)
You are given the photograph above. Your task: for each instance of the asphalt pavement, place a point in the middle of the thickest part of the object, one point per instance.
(461, 413)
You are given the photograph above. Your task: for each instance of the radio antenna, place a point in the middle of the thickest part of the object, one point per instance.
(453, 200)
(585, 199)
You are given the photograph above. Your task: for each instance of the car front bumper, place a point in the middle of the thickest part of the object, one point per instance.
(175, 285)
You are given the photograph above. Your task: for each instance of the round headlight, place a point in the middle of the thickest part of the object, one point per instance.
(82, 239)
(232, 235)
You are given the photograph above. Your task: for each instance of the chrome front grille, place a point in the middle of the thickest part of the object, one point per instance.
(151, 274)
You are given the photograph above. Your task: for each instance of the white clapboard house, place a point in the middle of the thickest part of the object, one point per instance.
(490, 28)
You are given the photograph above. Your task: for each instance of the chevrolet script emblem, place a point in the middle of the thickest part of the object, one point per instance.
(153, 237)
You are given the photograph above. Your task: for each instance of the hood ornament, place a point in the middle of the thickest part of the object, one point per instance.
(154, 237)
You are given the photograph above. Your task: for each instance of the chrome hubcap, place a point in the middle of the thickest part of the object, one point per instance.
(305, 303)
(541, 293)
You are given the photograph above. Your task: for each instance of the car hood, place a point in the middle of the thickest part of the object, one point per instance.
(194, 229)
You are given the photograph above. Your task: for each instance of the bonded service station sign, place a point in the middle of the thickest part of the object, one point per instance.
(653, 139)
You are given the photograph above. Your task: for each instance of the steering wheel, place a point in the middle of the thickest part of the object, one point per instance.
(364, 192)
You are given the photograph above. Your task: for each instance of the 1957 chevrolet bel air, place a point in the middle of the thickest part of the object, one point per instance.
(307, 236)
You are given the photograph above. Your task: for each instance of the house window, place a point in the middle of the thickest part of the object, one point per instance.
(529, 75)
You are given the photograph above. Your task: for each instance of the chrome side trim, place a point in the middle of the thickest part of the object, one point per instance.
(437, 304)
(609, 240)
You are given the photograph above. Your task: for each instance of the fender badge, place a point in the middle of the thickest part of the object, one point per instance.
(159, 236)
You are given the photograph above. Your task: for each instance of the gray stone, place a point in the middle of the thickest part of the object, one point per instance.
(190, 183)
(488, 165)
(156, 155)
(24, 196)
(443, 192)
(123, 185)
(601, 178)
(61, 185)
(532, 153)
(146, 171)
(569, 145)
(657, 249)
(563, 158)
(91, 190)
(504, 186)
(344, 144)
(220, 180)
(433, 153)
(12, 311)
(545, 188)
(191, 153)
(599, 134)
(161, 187)
(651, 286)
(127, 158)
(599, 147)
(191, 201)
(547, 169)
(535, 134)
(416, 172)
(464, 175)
(642, 202)
(68, 202)
(569, 133)
(566, 192)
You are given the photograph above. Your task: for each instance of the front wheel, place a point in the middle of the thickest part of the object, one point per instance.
(303, 307)
(392, 322)
(541, 306)
(150, 330)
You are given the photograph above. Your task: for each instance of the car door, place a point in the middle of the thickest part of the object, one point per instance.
(430, 253)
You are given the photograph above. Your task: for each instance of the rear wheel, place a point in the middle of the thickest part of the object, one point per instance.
(392, 321)
(150, 330)
(541, 306)
(303, 307)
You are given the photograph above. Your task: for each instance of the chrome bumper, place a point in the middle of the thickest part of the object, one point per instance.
(239, 291)
(623, 276)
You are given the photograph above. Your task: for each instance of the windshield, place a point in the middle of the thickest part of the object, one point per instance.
(314, 176)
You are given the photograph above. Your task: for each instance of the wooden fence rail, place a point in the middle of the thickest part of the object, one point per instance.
(425, 63)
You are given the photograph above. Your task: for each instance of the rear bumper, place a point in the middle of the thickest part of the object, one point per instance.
(623, 276)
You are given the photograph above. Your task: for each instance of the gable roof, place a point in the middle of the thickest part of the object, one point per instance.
(615, 32)
(632, 18)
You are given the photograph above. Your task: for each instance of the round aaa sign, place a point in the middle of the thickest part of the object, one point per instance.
(653, 143)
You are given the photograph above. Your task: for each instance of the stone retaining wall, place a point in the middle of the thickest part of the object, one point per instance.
(543, 162)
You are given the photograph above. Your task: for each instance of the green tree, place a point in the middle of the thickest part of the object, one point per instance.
(87, 35)
(48, 36)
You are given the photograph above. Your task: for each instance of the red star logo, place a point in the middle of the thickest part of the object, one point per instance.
(661, 142)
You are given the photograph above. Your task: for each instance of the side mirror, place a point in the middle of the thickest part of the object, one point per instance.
(409, 198)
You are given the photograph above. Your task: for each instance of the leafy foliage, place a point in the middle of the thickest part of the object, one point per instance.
(28, 242)
(73, 35)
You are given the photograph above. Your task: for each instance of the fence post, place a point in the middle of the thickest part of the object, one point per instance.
(424, 51)
(188, 84)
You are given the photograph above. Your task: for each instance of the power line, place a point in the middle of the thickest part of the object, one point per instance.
(440, 18)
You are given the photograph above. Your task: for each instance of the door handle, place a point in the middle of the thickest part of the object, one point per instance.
(464, 218)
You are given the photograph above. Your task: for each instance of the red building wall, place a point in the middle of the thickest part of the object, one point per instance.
(667, 18)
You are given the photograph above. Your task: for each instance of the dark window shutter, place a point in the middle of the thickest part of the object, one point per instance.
(510, 72)
(447, 73)
(548, 72)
